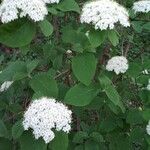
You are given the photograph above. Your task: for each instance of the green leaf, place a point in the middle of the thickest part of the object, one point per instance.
(32, 65)
(28, 142)
(57, 63)
(147, 26)
(68, 5)
(96, 37)
(113, 37)
(46, 27)
(17, 129)
(3, 130)
(44, 84)
(60, 141)
(134, 117)
(81, 95)
(80, 136)
(84, 67)
(97, 137)
(135, 69)
(52, 10)
(91, 145)
(5, 144)
(146, 114)
(17, 34)
(110, 91)
(137, 26)
(13, 68)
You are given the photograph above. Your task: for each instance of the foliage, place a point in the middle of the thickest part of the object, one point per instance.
(56, 58)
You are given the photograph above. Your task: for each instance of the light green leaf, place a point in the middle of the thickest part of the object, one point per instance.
(44, 84)
(13, 68)
(60, 141)
(110, 91)
(46, 27)
(96, 37)
(81, 95)
(17, 34)
(32, 65)
(84, 67)
(68, 5)
(113, 37)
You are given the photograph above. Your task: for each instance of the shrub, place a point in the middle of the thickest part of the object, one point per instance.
(78, 63)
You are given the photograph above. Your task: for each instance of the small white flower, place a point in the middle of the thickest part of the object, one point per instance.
(148, 86)
(142, 6)
(45, 115)
(104, 14)
(87, 33)
(5, 85)
(118, 64)
(8, 10)
(51, 1)
(68, 52)
(148, 128)
(145, 72)
(34, 9)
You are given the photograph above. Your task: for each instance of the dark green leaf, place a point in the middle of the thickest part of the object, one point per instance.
(17, 34)
(28, 142)
(80, 136)
(17, 129)
(3, 130)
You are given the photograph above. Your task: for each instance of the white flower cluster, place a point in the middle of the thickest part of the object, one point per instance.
(5, 85)
(142, 6)
(103, 14)
(118, 63)
(13, 9)
(46, 114)
(148, 128)
(148, 86)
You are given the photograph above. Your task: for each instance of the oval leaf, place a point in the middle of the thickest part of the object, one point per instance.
(81, 95)
(46, 27)
(84, 67)
(45, 85)
(17, 34)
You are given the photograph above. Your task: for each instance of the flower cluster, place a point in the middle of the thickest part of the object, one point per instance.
(118, 63)
(45, 115)
(142, 6)
(5, 85)
(103, 14)
(13, 9)
(148, 128)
